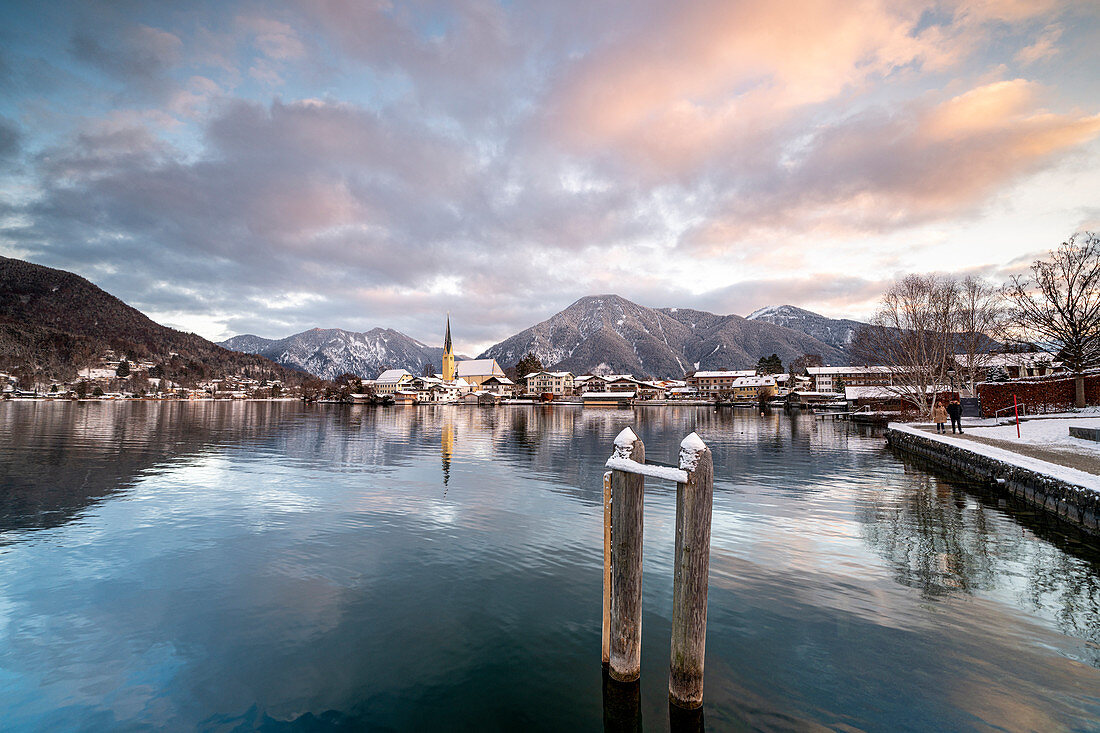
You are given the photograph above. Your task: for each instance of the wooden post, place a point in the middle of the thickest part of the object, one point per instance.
(606, 568)
(690, 573)
(627, 493)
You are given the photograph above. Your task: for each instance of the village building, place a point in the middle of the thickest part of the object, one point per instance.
(555, 383)
(892, 398)
(391, 380)
(643, 390)
(406, 397)
(1014, 366)
(753, 388)
(711, 383)
(586, 382)
(607, 399)
(500, 386)
(622, 383)
(787, 383)
(836, 378)
(477, 371)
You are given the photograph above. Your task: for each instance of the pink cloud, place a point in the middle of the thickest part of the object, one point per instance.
(704, 76)
(273, 38)
(881, 172)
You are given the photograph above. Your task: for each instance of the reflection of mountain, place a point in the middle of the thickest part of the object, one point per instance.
(62, 457)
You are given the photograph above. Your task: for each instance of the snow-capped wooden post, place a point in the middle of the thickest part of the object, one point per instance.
(627, 495)
(606, 652)
(694, 498)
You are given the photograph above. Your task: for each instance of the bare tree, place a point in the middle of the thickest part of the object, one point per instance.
(799, 365)
(979, 320)
(912, 335)
(1058, 306)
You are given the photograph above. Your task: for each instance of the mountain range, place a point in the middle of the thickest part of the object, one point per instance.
(596, 334)
(55, 322)
(610, 334)
(836, 332)
(330, 352)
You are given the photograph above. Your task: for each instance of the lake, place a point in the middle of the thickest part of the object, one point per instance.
(278, 566)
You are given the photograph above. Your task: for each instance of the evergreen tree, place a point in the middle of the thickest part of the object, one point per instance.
(529, 364)
(769, 365)
(123, 369)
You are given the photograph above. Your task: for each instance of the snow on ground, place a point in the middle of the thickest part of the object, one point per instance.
(1062, 473)
(1045, 433)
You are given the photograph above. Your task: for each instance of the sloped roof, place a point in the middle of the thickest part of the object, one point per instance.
(392, 375)
(754, 382)
(478, 367)
(734, 373)
(851, 370)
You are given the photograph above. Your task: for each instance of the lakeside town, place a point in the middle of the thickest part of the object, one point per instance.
(484, 382)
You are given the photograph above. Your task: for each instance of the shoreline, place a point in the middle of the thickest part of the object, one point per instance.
(1066, 493)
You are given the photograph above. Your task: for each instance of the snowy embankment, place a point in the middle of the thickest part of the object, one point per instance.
(1064, 474)
(1045, 433)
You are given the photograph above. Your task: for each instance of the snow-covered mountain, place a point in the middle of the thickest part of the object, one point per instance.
(610, 334)
(330, 352)
(837, 332)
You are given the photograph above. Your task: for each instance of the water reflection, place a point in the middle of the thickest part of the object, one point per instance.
(287, 567)
(622, 705)
(59, 458)
(447, 447)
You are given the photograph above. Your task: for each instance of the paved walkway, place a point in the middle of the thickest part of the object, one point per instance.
(1080, 461)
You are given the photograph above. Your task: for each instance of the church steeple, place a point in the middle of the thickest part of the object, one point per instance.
(448, 354)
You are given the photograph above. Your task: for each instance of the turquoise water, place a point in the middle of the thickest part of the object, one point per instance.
(274, 566)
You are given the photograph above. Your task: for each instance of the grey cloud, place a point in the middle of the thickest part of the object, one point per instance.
(10, 139)
(363, 208)
(137, 55)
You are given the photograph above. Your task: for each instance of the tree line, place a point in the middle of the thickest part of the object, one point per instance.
(924, 321)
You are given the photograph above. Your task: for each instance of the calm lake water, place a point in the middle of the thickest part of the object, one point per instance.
(274, 566)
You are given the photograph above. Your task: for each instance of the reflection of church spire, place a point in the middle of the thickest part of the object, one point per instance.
(447, 446)
(448, 354)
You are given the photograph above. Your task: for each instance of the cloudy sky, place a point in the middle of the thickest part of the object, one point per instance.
(246, 167)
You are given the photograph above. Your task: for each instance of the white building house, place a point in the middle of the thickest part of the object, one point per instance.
(555, 383)
(391, 380)
(836, 378)
(708, 383)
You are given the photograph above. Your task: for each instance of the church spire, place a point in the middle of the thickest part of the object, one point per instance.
(448, 354)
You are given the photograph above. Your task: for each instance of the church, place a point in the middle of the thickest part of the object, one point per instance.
(473, 371)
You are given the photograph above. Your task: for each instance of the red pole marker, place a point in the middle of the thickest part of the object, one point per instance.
(1016, 409)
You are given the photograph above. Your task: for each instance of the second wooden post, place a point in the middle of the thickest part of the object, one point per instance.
(690, 574)
(627, 494)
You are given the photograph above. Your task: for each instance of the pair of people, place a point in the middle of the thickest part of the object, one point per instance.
(940, 415)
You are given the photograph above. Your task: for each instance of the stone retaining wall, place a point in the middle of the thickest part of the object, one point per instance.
(1074, 504)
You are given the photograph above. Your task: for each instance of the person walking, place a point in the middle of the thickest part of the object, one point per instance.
(939, 416)
(955, 410)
